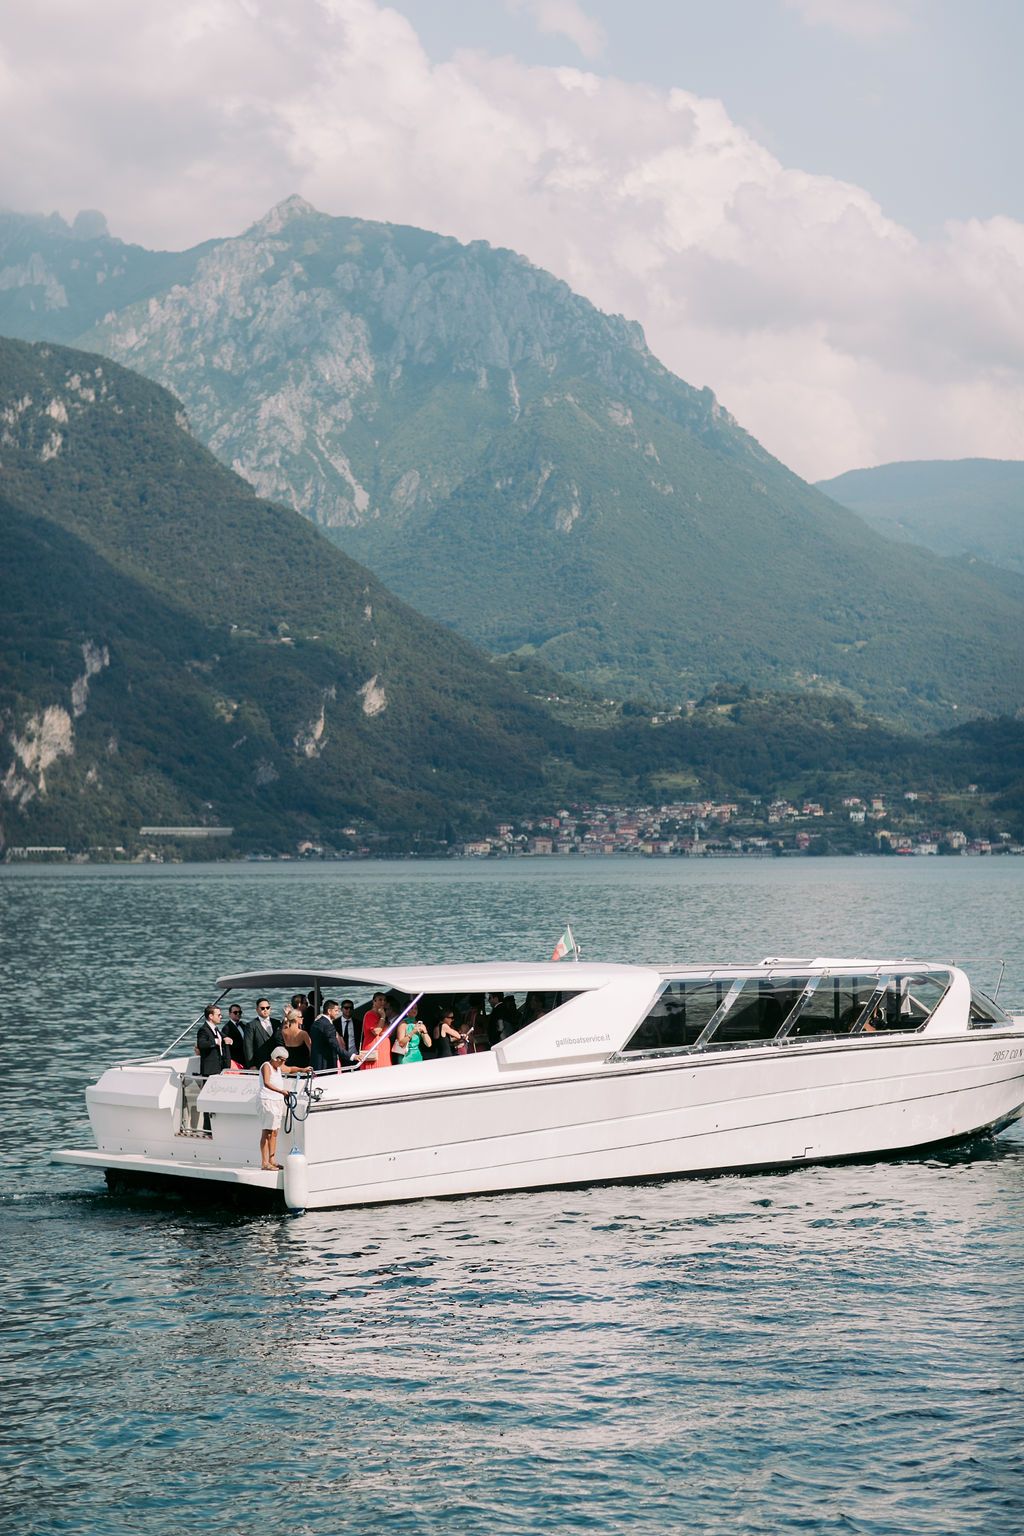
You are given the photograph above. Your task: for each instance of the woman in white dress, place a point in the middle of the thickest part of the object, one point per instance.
(273, 1092)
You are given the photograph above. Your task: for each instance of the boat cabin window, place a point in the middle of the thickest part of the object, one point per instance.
(679, 1017)
(758, 1012)
(835, 1007)
(908, 1002)
(726, 1013)
(984, 1012)
(495, 1016)
(716, 1014)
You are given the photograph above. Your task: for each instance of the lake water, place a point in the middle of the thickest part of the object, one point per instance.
(829, 1350)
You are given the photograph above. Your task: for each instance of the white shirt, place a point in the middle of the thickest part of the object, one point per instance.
(273, 1079)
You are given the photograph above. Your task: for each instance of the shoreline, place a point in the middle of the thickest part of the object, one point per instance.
(596, 860)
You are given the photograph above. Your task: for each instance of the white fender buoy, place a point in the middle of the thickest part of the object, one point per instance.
(296, 1180)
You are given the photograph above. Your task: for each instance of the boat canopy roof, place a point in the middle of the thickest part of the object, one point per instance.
(533, 976)
(527, 976)
(476, 976)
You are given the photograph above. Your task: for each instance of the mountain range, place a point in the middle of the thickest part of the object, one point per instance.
(518, 465)
(178, 652)
(960, 507)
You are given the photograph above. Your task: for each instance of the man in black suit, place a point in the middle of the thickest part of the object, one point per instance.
(234, 1033)
(214, 1052)
(347, 1027)
(259, 1035)
(503, 1019)
(327, 1049)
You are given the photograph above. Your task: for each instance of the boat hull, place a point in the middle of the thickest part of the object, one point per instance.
(473, 1127)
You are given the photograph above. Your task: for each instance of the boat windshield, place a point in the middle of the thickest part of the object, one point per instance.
(984, 1012)
(720, 1012)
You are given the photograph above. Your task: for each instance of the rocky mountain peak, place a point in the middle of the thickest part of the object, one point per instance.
(336, 323)
(282, 213)
(89, 224)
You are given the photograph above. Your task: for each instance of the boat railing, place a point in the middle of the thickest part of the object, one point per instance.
(194, 1025)
(965, 960)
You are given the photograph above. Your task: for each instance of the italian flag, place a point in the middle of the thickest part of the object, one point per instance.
(566, 946)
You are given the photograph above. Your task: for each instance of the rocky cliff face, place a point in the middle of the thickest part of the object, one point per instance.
(311, 353)
(58, 279)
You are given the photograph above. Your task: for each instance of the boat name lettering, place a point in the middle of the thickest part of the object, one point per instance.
(1014, 1055)
(235, 1085)
(583, 1040)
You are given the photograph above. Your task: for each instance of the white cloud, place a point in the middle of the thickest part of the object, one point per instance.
(565, 18)
(866, 19)
(833, 333)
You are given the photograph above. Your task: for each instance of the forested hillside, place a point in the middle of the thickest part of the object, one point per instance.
(955, 506)
(179, 651)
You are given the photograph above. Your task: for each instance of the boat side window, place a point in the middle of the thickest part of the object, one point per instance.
(835, 1008)
(984, 1012)
(679, 1017)
(908, 1002)
(719, 1013)
(495, 1016)
(522, 1008)
(758, 1013)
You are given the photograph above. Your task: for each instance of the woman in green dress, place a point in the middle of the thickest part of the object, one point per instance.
(413, 1039)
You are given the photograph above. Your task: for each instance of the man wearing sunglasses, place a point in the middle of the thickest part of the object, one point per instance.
(258, 1035)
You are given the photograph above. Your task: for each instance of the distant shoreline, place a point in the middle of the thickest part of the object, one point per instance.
(631, 856)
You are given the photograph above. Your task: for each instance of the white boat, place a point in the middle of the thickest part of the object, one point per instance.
(626, 1072)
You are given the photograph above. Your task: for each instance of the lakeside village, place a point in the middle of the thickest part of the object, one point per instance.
(744, 829)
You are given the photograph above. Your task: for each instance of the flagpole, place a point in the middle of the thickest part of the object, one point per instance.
(566, 943)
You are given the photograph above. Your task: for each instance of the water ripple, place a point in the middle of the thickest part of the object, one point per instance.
(831, 1350)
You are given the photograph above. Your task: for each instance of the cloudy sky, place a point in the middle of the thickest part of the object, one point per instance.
(813, 206)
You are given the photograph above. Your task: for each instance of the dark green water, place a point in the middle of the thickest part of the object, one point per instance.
(830, 1350)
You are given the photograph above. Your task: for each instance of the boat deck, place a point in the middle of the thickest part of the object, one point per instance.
(197, 1168)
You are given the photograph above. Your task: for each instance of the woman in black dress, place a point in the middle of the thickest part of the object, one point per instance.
(446, 1035)
(295, 1039)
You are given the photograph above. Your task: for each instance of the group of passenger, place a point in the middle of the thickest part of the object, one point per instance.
(323, 1035)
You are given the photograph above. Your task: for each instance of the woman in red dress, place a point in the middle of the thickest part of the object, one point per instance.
(375, 1022)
